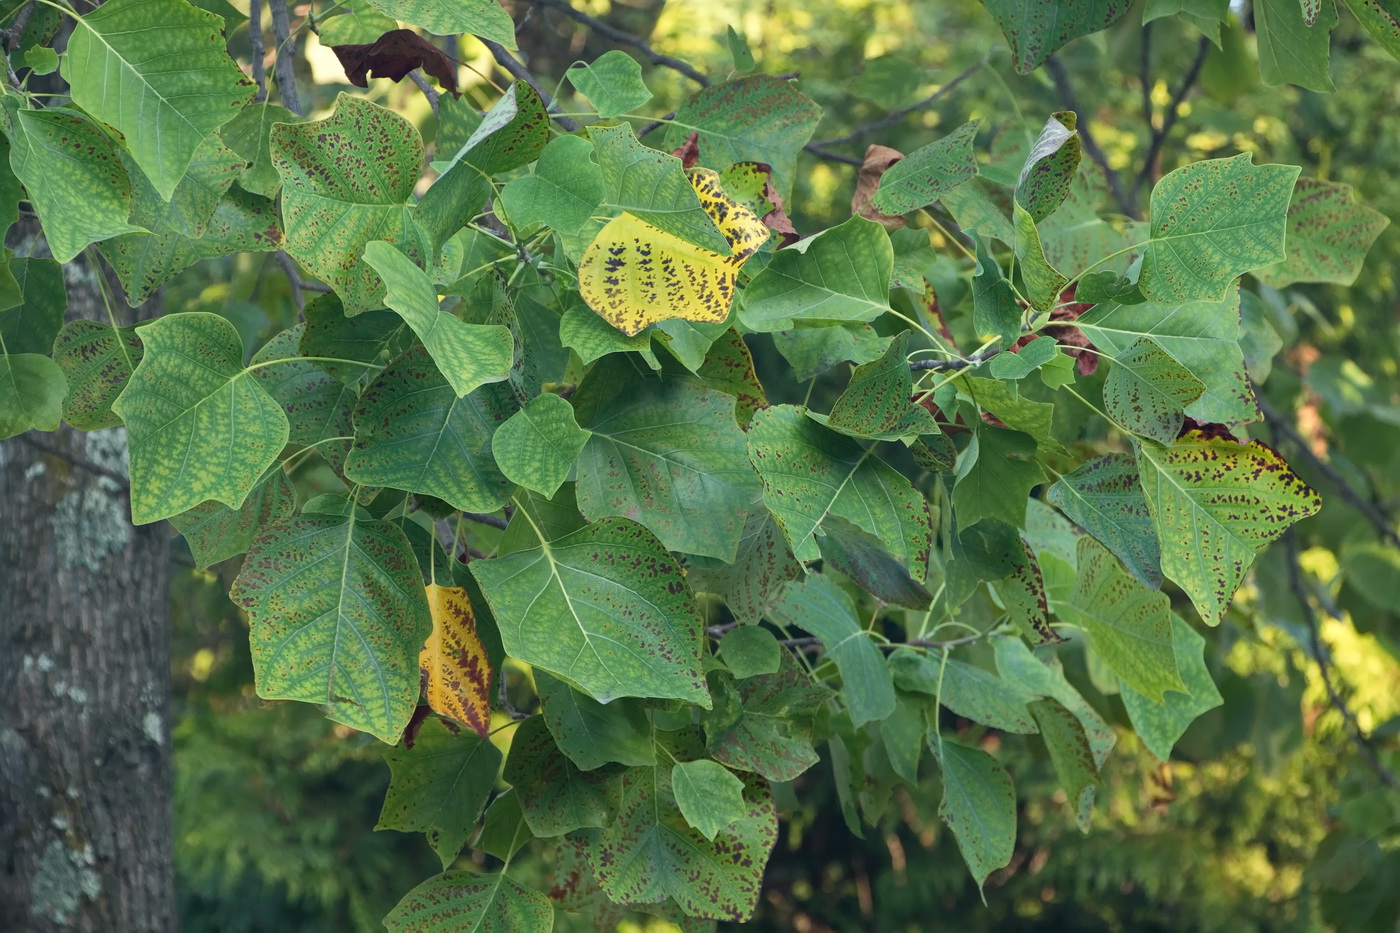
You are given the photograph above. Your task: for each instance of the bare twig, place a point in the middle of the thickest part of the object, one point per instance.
(428, 90)
(822, 152)
(286, 55)
(289, 267)
(894, 116)
(259, 50)
(16, 30)
(626, 38)
(975, 359)
(507, 706)
(493, 521)
(1145, 77)
(518, 71)
(1169, 118)
(1353, 728)
(1058, 74)
(73, 459)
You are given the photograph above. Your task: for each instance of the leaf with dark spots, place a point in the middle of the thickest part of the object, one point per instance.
(764, 723)
(393, 55)
(555, 796)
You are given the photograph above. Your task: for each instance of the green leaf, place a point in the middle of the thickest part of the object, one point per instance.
(190, 209)
(1203, 336)
(749, 651)
(250, 133)
(439, 787)
(1129, 624)
(35, 301)
(41, 60)
(317, 405)
(1045, 677)
(555, 796)
(1043, 282)
(1071, 755)
(504, 830)
(347, 180)
(978, 212)
(536, 447)
(200, 426)
(1291, 49)
(1050, 167)
(864, 559)
(360, 25)
(739, 51)
(370, 339)
(1035, 29)
(1213, 220)
(1104, 497)
(563, 192)
(337, 614)
(73, 175)
(764, 723)
(995, 312)
(605, 607)
(484, 18)
(1020, 364)
(811, 351)
(969, 691)
(820, 606)
(1003, 399)
(729, 367)
(413, 432)
(466, 900)
(612, 83)
(98, 362)
(903, 734)
(809, 472)
(216, 532)
(876, 402)
(841, 275)
(650, 853)
(593, 734)
(1215, 505)
(929, 172)
(709, 796)
(1328, 236)
(993, 481)
(467, 355)
(979, 806)
(158, 71)
(1381, 19)
(1161, 724)
(653, 187)
(756, 118)
(1205, 15)
(31, 393)
(749, 583)
(1147, 391)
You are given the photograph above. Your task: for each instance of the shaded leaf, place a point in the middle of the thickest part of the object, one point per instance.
(811, 351)
(876, 402)
(1161, 724)
(995, 312)
(1071, 755)
(1016, 664)
(749, 651)
(762, 564)
(31, 393)
(1291, 49)
(317, 406)
(249, 134)
(216, 532)
(369, 339)
(98, 362)
(593, 734)
(1104, 497)
(453, 659)
(1147, 391)
(979, 806)
(35, 299)
(709, 796)
(1043, 282)
(864, 559)
(555, 796)
(967, 690)
(993, 480)
(466, 900)
(562, 192)
(1381, 19)
(764, 723)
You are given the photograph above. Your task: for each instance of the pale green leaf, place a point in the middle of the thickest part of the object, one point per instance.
(360, 25)
(249, 134)
(979, 806)
(31, 393)
(750, 650)
(612, 83)
(994, 479)
(709, 796)
(967, 690)
(563, 192)
(1328, 236)
(995, 312)
(555, 796)
(929, 172)
(484, 18)
(1147, 392)
(536, 447)
(591, 337)
(1291, 49)
(1043, 282)
(1159, 725)
(1071, 755)
(467, 900)
(1205, 15)
(841, 275)
(1044, 676)
(594, 734)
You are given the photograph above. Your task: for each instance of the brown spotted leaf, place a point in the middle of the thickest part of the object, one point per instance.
(979, 806)
(1036, 28)
(216, 532)
(764, 724)
(1147, 391)
(454, 660)
(466, 900)
(1215, 505)
(1071, 755)
(1328, 236)
(393, 55)
(98, 361)
(761, 566)
(1104, 497)
(555, 796)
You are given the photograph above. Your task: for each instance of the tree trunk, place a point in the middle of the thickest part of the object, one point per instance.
(85, 775)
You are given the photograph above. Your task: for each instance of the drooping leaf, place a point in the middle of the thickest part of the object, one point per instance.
(439, 786)
(1022, 592)
(1215, 505)
(249, 134)
(1211, 221)
(393, 55)
(536, 447)
(995, 312)
(764, 723)
(709, 796)
(563, 192)
(32, 323)
(749, 651)
(1328, 236)
(200, 426)
(158, 71)
(978, 212)
(612, 83)
(337, 614)
(1045, 677)
(841, 275)
(483, 18)
(1004, 400)
(593, 734)
(1071, 755)
(216, 532)
(317, 405)
(1159, 725)
(864, 558)
(979, 806)
(1147, 391)
(555, 796)
(1050, 167)
(809, 472)
(1129, 624)
(1205, 15)
(756, 118)
(347, 180)
(466, 900)
(1291, 49)
(1043, 282)
(1104, 497)
(413, 432)
(993, 479)
(1036, 29)
(365, 342)
(811, 351)
(928, 173)
(605, 607)
(458, 675)
(967, 690)
(650, 853)
(32, 387)
(762, 564)
(903, 735)
(73, 176)
(98, 362)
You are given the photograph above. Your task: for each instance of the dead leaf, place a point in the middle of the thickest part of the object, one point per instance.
(689, 151)
(457, 674)
(393, 55)
(878, 160)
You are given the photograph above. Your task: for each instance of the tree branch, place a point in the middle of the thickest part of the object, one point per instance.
(416, 76)
(975, 359)
(74, 460)
(493, 521)
(1057, 72)
(286, 54)
(626, 38)
(259, 50)
(518, 71)
(289, 268)
(1159, 136)
(894, 116)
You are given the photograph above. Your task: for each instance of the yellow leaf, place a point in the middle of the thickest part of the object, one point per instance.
(454, 660)
(634, 274)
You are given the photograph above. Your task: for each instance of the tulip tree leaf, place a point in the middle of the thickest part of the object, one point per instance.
(563, 192)
(612, 83)
(337, 616)
(762, 564)
(1043, 281)
(876, 402)
(1045, 677)
(216, 532)
(1071, 755)
(466, 900)
(1161, 724)
(841, 275)
(483, 18)
(967, 690)
(764, 723)
(995, 312)
(249, 134)
(1328, 236)
(1050, 168)
(317, 406)
(1292, 49)
(1216, 504)
(1104, 497)
(98, 362)
(34, 298)
(1035, 29)
(590, 733)
(456, 670)
(926, 174)
(555, 796)
(1147, 391)
(750, 650)
(1210, 222)
(32, 387)
(605, 607)
(710, 797)
(536, 447)
(158, 71)
(1381, 19)
(979, 806)
(200, 426)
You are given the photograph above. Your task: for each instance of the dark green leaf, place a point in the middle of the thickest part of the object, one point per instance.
(1072, 756)
(98, 362)
(762, 564)
(590, 733)
(555, 796)
(1104, 497)
(1035, 29)
(749, 651)
(31, 393)
(764, 723)
(216, 532)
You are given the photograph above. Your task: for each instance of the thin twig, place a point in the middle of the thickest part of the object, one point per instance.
(507, 706)
(289, 267)
(1058, 74)
(894, 116)
(286, 54)
(77, 461)
(259, 50)
(16, 30)
(1169, 118)
(518, 71)
(626, 38)
(822, 152)
(493, 521)
(1145, 77)
(428, 90)
(975, 359)
(1353, 728)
